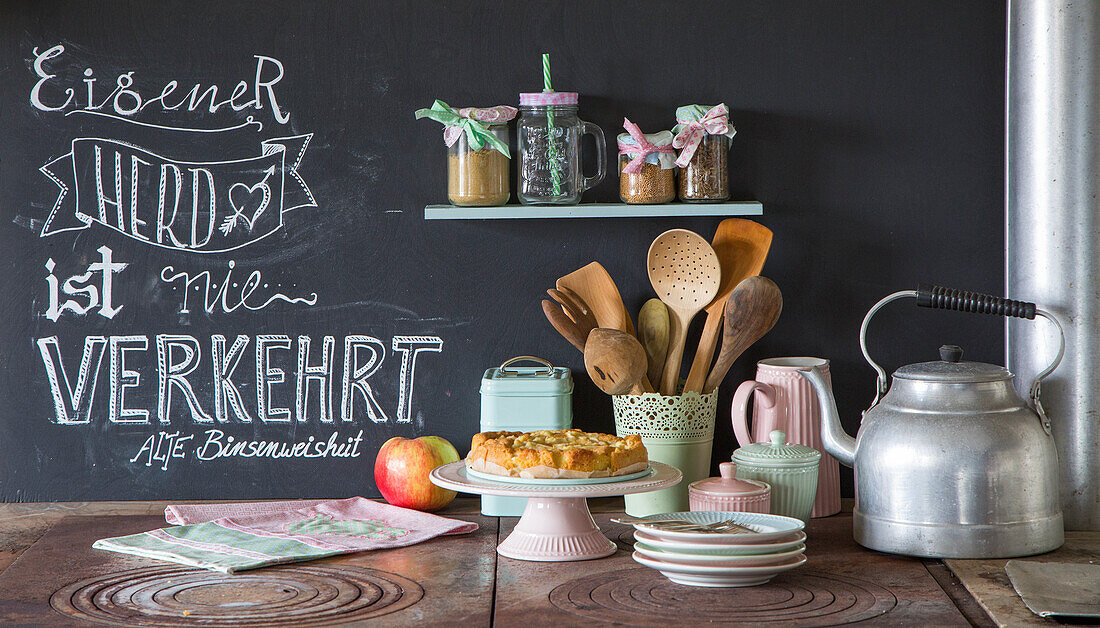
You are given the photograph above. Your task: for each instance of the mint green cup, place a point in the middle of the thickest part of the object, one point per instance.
(676, 430)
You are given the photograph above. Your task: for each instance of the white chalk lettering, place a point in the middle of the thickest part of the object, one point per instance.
(224, 388)
(162, 447)
(179, 356)
(321, 373)
(267, 376)
(410, 347)
(43, 78)
(72, 287)
(125, 100)
(72, 405)
(123, 378)
(218, 296)
(356, 375)
(173, 374)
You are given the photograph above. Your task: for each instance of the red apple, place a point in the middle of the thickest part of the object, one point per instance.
(402, 467)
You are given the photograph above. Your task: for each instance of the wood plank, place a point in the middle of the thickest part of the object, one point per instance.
(986, 579)
(438, 582)
(842, 582)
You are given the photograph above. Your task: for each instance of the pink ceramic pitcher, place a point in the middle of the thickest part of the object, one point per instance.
(784, 400)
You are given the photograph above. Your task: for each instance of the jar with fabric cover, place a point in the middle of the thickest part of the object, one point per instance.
(478, 157)
(703, 136)
(647, 166)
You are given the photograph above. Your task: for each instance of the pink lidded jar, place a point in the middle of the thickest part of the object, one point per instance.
(730, 493)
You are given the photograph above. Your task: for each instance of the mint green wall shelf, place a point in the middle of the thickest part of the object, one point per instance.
(594, 210)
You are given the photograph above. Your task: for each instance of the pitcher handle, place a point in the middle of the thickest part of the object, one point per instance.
(740, 408)
(601, 155)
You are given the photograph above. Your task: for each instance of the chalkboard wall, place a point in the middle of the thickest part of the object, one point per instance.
(871, 132)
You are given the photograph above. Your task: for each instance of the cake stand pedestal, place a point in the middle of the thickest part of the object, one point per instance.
(556, 525)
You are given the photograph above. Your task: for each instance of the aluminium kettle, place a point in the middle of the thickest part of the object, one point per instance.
(949, 461)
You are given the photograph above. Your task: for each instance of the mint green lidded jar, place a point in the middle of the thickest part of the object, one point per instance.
(523, 399)
(790, 469)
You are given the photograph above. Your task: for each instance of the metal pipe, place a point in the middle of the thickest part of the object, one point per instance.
(1052, 227)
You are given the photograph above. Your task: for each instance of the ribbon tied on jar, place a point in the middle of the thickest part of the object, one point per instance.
(642, 149)
(470, 121)
(695, 121)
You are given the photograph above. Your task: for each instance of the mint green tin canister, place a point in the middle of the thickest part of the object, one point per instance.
(523, 399)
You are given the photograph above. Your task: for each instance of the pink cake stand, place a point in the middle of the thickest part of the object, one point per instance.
(556, 525)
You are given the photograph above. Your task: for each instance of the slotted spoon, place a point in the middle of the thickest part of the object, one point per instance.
(685, 274)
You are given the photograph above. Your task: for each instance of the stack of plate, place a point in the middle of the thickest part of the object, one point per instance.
(721, 559)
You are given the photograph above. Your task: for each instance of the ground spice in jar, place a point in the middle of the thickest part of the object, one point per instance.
(477, 177)
(706, 177)
(652, 184)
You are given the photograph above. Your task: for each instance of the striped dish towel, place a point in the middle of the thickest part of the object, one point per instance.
(235, 537)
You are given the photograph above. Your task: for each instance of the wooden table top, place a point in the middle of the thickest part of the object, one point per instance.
(46, 556)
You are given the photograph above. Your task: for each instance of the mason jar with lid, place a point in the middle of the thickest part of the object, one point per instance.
(703, 134)
(478, 156)
(647, 166)
(549, 139)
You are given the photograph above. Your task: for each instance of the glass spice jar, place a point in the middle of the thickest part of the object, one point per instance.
(654, 181)
(478, 156)
(478, 178)
(707, 176)
(703, 134)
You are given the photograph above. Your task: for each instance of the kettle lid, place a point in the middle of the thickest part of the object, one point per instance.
(950, 368)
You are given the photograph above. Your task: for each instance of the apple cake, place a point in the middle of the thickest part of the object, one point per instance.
(556, 454)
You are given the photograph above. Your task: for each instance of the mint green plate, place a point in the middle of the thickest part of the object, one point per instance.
(569, 482)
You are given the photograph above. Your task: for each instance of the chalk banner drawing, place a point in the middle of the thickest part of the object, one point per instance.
(181, 392)
(205, 207)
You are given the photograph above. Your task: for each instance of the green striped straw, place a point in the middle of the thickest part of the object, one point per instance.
(555, 178)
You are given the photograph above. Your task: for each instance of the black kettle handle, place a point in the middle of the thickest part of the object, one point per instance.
(938, 297)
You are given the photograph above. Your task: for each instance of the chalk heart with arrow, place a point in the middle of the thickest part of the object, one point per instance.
(242, 197)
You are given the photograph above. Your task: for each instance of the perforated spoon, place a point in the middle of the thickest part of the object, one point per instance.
(685, 274)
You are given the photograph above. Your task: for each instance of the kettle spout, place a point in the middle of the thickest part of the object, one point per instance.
(837, 442)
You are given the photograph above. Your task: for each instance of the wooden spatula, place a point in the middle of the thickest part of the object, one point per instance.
(742, 246)
(592, 284)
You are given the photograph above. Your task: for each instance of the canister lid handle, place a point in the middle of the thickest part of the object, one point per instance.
(527, 358)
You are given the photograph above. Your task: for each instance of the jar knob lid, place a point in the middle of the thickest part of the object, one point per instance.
(778, 438)
(727, 470)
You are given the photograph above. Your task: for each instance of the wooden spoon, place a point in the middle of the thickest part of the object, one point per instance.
(751, 311)
(592, 284)
(565, 325)
(653, 332)
(685, 273)
(615, 361)
(742, 246)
